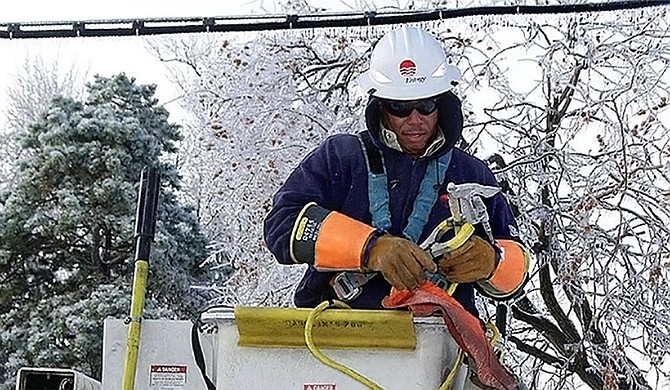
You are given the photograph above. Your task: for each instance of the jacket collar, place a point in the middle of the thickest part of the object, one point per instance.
(389, 138)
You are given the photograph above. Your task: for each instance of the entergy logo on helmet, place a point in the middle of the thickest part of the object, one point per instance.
(407, 69)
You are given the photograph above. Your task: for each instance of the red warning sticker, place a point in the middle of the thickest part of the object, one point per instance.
(168, 375)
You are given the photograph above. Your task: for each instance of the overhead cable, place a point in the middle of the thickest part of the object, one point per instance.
(157, 26)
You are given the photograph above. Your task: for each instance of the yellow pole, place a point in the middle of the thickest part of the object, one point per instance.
(145, 225)
(135, 325)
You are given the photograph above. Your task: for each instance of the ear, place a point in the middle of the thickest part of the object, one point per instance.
(384, 118)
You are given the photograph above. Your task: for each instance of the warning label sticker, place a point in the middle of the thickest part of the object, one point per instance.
(166, 376)
(319, 386)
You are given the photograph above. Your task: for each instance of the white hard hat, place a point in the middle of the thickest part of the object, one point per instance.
(407, 64)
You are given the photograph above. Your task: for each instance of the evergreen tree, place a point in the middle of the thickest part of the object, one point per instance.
(67, 226)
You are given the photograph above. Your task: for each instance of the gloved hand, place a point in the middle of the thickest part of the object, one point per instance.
(474, 260)
(401, 261)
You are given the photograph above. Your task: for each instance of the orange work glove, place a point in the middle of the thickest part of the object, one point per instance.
(401, 261)
(474, 260)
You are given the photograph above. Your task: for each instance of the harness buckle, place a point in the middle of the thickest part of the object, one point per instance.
(438, 280)
(348, 285)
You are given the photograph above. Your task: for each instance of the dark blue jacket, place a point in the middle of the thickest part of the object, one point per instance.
(335, 176)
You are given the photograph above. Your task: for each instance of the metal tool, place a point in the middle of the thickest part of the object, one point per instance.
(432, 243)
(467, 209)
(467, 205)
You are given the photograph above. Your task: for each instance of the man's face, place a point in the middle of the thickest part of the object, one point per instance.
(415, 131)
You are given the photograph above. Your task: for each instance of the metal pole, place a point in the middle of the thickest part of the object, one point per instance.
(145, 225)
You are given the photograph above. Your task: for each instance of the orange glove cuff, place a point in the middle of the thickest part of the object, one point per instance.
(328, 239)
(511, 272)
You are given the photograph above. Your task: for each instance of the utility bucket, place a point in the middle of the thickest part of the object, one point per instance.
(264, 348)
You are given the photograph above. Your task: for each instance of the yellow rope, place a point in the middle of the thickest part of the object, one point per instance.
(323, 358)
(496, 333)
(449, 381)
(463, 235)
(309, 340)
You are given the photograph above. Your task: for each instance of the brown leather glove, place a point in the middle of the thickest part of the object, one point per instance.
(401, 261)
(474, 260)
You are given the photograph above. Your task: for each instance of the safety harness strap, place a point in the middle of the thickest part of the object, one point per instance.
(378, 195)
(378, 200)
(437, 168)
(373, 156)
(347, 285)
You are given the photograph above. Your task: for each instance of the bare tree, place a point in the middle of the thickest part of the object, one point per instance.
(248, 124)
(35, 84)
(584, 147)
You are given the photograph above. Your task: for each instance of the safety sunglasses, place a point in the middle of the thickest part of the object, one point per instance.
(403, 108)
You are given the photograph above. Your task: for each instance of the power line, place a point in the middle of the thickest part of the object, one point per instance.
(157, 26)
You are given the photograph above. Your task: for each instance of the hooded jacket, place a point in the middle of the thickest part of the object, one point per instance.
(335, 176)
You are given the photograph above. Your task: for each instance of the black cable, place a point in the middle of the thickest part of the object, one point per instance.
(157, 26)
(198, 355)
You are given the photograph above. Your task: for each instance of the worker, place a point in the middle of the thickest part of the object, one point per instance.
(358, 204)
